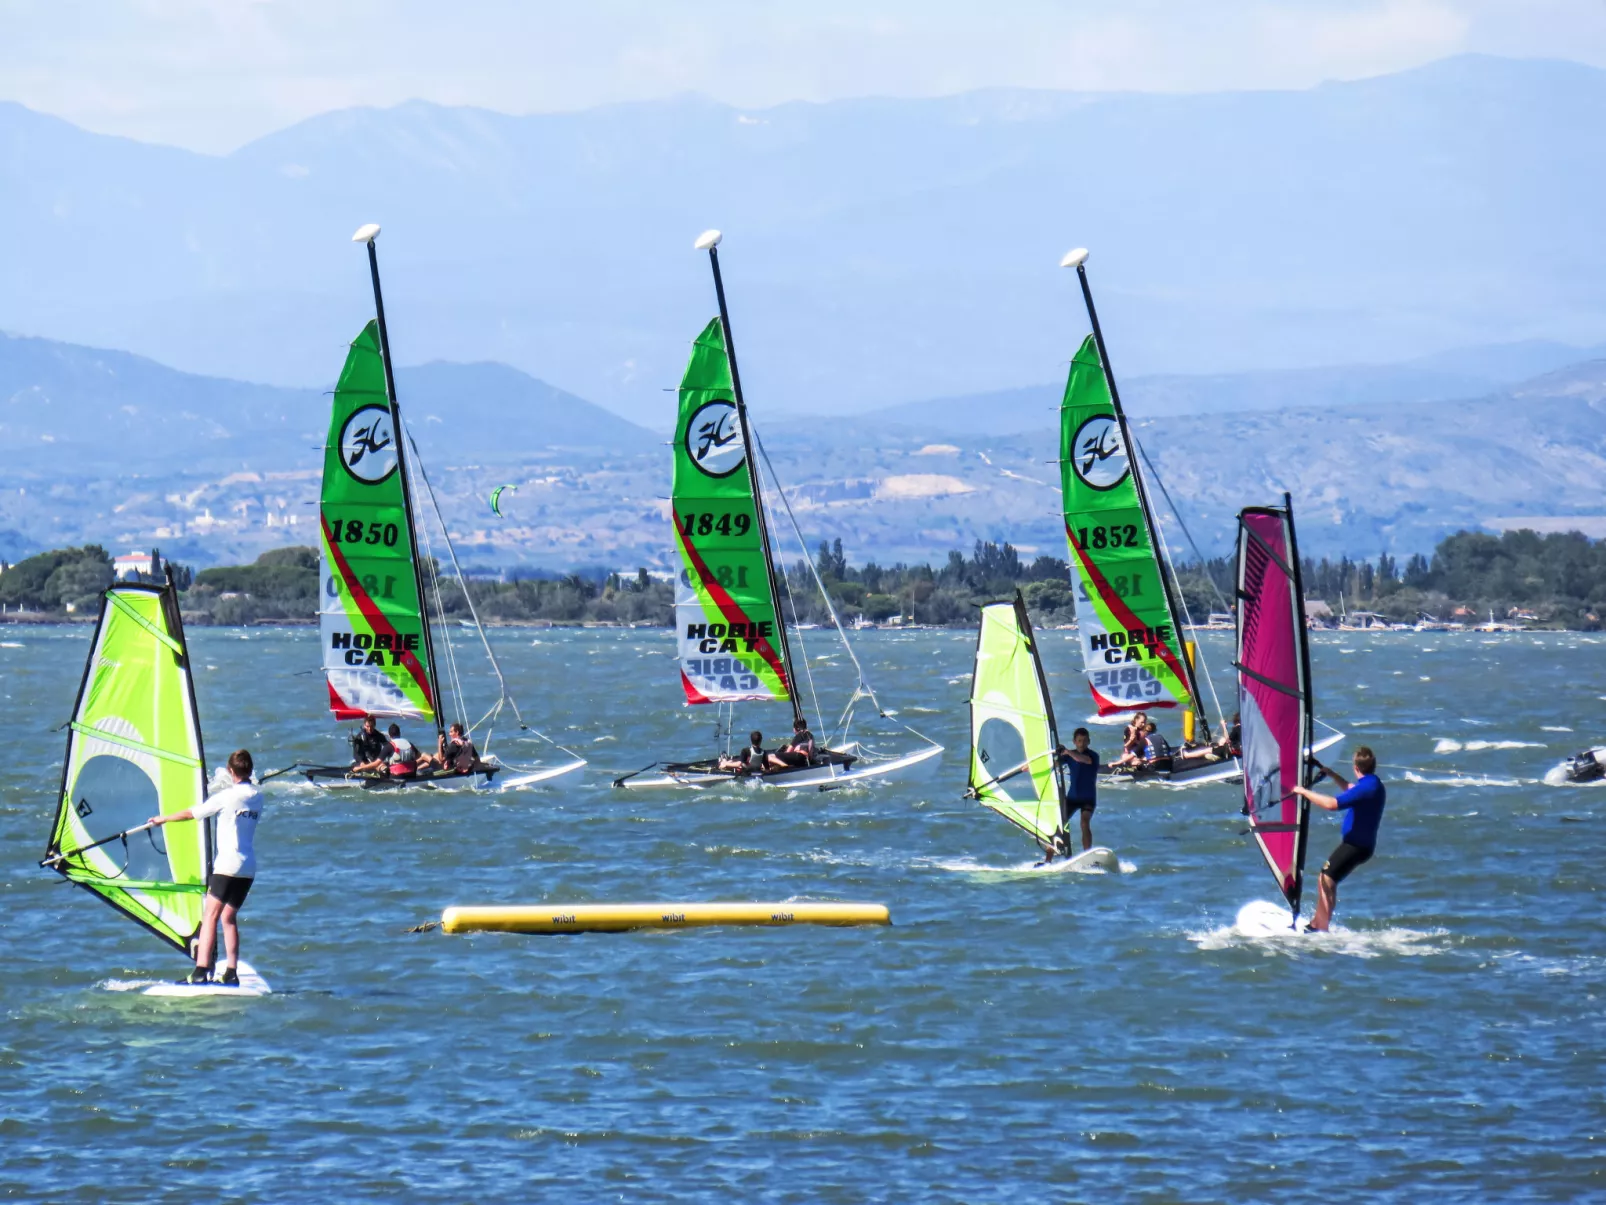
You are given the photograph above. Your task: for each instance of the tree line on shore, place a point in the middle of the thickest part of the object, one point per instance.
(1558, 578)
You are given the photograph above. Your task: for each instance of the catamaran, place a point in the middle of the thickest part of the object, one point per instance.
(732, 633)
(1014, 767)
(379, 650)
(1129, 615)
(1274, 692)
(134, 751)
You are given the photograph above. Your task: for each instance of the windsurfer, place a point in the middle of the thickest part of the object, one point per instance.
(238, 808)
(799, 751)
(1081, 796)
(369, 747)
(1362, 802)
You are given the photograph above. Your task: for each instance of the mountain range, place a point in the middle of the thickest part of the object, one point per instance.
(113, 448)
(877, 251)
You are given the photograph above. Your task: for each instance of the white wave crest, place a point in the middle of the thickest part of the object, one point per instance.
(1265, 926)
(1450, 745)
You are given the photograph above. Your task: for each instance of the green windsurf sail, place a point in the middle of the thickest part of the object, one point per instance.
(732, 637)
(1012, 733)
(133, 752)
(377, 653)
(1132, 641)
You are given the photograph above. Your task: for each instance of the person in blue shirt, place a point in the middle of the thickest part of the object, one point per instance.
(1362, 803)
(1081, 794)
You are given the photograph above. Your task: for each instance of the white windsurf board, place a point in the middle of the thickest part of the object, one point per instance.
(251, 984)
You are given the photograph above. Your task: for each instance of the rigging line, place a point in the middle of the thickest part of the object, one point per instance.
(496, 666)
(824, 593)
(421, 531)
(1154, 476)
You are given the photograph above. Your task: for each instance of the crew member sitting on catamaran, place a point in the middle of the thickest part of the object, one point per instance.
(454, 754)
(369, 748)
(799, 751)
(750, 760)
(1362, 804)
(1081, 796)
(403, 754)
(238, 808)
(1157, 753)
(1134, 737)
(1229, 740)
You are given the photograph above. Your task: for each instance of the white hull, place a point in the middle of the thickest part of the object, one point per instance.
(822, 778)
(251, 984)
(539, 776)
(1209, 772)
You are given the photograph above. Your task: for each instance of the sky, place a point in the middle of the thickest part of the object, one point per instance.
(211, 75)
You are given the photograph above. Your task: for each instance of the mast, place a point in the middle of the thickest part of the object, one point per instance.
(709, 241)
(1307, 734)
(368, 234)
(1024, 619)
(1078, 260)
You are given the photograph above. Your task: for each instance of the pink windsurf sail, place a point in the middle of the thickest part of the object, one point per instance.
(1274, 698)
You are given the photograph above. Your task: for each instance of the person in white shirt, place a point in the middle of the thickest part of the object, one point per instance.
(237, 808)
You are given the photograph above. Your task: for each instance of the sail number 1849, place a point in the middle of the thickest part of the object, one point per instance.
(705, 523)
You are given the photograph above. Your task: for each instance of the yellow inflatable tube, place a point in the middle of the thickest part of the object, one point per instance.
(617, 918)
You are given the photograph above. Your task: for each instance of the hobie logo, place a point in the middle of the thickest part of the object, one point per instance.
(1098, 453)
(368, 444)
(714, 439)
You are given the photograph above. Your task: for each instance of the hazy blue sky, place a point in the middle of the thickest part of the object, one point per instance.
(212, 74)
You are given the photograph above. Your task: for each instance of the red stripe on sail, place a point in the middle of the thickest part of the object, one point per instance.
(729, 608)
(693, 695)
(376, 619)
(1122, 612)
(342, 709)
(1109, 706)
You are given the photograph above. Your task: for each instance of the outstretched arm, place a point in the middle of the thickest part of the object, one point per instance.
(186, 814)
(1321, 801)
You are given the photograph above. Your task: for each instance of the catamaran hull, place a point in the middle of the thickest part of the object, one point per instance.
(1206, 772)
(339, 778)
(823, 778)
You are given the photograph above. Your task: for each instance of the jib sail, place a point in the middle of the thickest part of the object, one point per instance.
(376, 645)
(133, 752)
(1132, 642)
(1274, 698)
(732, 642)
(1012, 734)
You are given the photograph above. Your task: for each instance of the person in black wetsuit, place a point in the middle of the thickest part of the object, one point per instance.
(369, 748)
(1362, 803)
(799, 751)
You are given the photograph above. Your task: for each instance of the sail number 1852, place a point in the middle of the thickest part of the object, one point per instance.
(1120, 535)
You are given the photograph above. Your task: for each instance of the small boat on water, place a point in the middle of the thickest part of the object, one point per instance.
(378, 592)
(731, 630)
(1130, 618)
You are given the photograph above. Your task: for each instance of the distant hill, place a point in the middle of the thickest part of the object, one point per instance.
(234, 470)
(79, 406)
(877, 251)
(1465, 373)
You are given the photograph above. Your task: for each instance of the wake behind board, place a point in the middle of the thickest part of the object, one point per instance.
(251, 985)
(1264, 918)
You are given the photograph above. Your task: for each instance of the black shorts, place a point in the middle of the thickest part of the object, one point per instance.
(1072, 806)
(228, 890)
(1345, 859)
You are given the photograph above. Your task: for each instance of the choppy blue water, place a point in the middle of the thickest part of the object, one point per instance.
(1013, 1036)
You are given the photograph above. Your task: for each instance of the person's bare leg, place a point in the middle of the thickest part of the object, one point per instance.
(1326, 901)
(231, 936)
(1087, 829)
(206, 947)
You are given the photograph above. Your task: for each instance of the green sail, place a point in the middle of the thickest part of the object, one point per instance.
(1012, 735)
(726, 618)
(133, 752)
(371, 625)
(1132, 645)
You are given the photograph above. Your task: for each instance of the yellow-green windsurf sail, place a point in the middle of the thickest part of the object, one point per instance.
(133, 752)
(1012, 734)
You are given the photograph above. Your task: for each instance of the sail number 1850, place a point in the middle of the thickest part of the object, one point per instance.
(1121, 535)
(353, 531)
